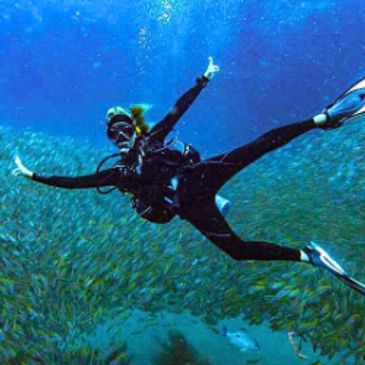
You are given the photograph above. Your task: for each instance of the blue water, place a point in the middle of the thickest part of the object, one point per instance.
(64, 63)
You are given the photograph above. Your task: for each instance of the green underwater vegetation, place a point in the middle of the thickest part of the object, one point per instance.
(70, 260)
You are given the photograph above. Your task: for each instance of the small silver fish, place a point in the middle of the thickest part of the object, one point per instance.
(242, 340)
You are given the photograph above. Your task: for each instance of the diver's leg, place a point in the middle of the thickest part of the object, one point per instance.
(238, 249)
(349, 105)
(209, 221)
(221, 168)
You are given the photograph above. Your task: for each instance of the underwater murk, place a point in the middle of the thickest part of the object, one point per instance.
(84, 279)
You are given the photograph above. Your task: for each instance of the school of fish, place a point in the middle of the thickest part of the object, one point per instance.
(69, 260)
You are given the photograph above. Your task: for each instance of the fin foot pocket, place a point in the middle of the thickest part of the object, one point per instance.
(351, 104)
(320, 258)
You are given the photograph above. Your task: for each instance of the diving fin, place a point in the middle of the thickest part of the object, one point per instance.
(351, 104)
(320, 258)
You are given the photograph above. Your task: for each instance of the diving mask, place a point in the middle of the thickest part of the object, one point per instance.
(122, 132)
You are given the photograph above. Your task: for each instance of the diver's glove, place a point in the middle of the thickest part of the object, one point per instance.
(211, 69)
(320, 258)
(21, 170)
(349, 105)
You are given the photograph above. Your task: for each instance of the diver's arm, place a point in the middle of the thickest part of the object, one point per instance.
(165, 126)
(104, 178)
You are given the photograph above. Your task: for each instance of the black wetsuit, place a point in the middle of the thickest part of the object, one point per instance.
(150, 166)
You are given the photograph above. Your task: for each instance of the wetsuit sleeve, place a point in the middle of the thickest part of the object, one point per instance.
(104, 178)
(164, 127)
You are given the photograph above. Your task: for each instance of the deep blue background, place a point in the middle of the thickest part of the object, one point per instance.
(63, 63)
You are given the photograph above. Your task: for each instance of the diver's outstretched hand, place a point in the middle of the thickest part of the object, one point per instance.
(21, 170)
(211, 69)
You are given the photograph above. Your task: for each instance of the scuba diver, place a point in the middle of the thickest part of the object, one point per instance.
(166, 177)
